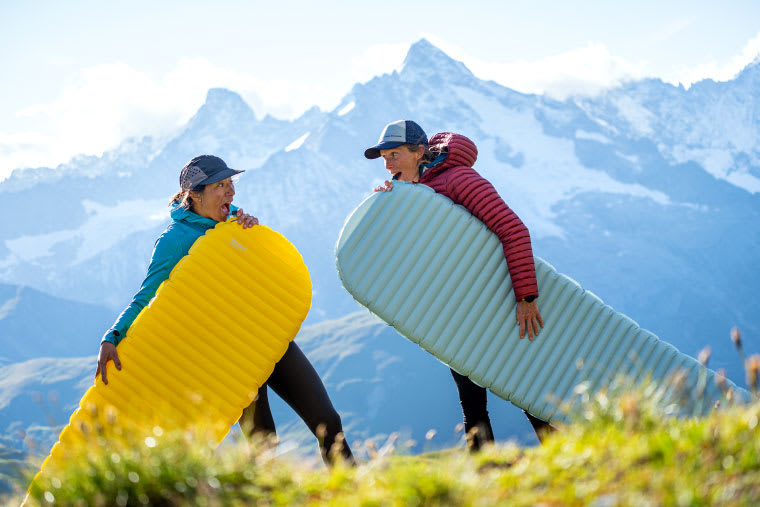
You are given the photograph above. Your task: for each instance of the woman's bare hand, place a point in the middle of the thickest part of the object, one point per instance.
(387, 187)
(529, 317)
(246, 220)
(107, 353)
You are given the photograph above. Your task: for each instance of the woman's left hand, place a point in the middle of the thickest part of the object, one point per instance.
(246, 220)
(529, 317)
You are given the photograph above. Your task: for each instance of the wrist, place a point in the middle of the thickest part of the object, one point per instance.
(113, 337)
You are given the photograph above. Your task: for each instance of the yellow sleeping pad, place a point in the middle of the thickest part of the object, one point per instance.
(198, 353)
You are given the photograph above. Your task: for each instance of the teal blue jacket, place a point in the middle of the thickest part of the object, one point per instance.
(170, 247)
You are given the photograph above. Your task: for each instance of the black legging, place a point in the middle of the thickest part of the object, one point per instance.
(297, 383)
(474, 399)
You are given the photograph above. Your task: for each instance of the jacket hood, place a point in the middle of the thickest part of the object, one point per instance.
(461, 151)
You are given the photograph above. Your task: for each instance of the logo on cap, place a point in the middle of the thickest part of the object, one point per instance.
(394, 132)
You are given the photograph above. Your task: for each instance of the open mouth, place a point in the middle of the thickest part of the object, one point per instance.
(397, 176)
(226, 209)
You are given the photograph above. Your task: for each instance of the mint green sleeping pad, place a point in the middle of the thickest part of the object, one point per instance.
(438, 275)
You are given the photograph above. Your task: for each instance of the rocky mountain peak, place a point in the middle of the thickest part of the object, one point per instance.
(223, 106)
(423, 58)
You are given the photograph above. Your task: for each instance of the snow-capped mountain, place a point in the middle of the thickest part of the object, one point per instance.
(648, 195)
(85, 230)
(715, 124)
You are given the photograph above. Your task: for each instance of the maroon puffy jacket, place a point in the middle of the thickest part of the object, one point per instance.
(456, 179)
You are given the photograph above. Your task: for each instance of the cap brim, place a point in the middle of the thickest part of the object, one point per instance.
(374, 151)
(226, 173)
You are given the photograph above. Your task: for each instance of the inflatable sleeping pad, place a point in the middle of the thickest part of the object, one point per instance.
(457, 303)
(198, 353)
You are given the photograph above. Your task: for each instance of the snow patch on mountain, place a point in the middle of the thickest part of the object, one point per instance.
(130, 156)
(713, 124)
(549, 159)
(34, 247)
(720, 163)
(592, 136)
(633, 159)
(297, 143)
(639, 118)
(104, 227)
(715, 161)
(742, 179)
(347, 108)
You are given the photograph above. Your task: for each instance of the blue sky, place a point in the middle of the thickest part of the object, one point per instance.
(80, 76)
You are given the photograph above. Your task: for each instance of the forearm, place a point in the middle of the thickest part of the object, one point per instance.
(165, 257)
(118, 330)
(518, 252)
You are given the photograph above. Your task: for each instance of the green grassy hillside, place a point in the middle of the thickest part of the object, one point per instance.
(623, 449)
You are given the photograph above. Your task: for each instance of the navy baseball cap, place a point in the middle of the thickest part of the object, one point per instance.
(205, 169)
(395, 134)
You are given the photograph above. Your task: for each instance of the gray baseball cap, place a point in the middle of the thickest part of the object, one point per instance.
(205, 169)
(395, 134)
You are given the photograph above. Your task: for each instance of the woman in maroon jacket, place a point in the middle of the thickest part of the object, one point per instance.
(445, 165)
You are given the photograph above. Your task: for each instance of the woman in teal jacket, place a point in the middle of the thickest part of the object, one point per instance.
(205, 199)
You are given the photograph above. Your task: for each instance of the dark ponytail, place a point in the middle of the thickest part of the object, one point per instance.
(184, 197)
(427, 157)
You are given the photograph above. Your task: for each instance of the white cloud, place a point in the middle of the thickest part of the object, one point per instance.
(379, 59)
(592, 69)
(106, 104)
(25, 149)
(111, 102)
(580, 71)
(280, 97)
(718, 71)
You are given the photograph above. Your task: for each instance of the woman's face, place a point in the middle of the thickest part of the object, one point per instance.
(214, 202)
(402, 161)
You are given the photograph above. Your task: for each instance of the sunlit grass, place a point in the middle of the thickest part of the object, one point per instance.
(621, 451)
(625, 446)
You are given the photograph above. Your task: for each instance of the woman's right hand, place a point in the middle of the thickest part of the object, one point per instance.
(528, 317)
(246, 220)
(107, 353)
(387, 187)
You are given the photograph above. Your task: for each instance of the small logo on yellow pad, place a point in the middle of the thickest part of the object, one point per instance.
(237, 245)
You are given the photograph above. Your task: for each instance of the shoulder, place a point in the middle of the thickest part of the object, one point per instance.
(176, 240)
(462, 177)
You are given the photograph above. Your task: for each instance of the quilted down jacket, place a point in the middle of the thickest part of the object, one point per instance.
(455, 178)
